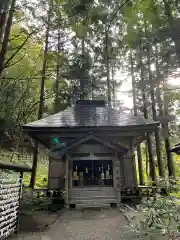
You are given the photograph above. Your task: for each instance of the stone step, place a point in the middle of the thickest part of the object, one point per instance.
(92, 201)
(84, 206)
(93, 197)
(101, 190)
(92, 193)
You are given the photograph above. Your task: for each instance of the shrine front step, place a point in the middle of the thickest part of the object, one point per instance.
(97, 198)
(94, 200)
(92, 193)
(94, 206)
(92, 203)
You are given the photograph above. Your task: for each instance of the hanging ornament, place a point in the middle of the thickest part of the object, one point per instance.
(102, 174)
(107, 174)
(75, 172)
(81, 175)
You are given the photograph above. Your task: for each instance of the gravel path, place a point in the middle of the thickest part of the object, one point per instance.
(84, 225)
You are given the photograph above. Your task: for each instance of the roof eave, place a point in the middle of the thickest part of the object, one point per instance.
(151, 126)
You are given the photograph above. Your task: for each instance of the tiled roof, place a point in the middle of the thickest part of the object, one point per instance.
(88, 113)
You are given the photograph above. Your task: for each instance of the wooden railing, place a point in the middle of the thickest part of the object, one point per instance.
(41, 193)
(140, 191)
(147, 190)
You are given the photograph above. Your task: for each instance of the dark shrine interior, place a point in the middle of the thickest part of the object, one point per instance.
(92, 173)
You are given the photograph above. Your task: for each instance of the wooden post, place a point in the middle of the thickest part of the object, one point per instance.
(67, 180)
(117, 177)
(114, 171)
(70, 174)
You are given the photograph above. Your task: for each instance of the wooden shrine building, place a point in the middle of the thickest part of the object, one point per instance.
(91, 150)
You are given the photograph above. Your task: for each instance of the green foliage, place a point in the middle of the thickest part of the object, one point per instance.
(156, 218)
(20, 86)
(26, 159)
(31, 203)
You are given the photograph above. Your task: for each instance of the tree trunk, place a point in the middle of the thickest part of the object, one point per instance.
(157, 136)
(163, 112)
(82, 90)
(41, 98)
(4, 11)
(174, 30)
(113, 83)
(149, 139)
(107, 66)
(139, 154)
(92, 88)
(170, 163)
(6, 36)
(56, 101)
(147, 159)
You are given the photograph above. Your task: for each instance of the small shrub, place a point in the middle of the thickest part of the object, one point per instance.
(156, 218)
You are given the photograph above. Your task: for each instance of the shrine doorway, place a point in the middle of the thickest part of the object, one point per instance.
(89, 173)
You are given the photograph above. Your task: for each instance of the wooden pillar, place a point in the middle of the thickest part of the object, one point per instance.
(117, 177)
(70, 174)
(67, 179)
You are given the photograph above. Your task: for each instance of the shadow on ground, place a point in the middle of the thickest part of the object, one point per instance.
(35, 222)
(36, 217)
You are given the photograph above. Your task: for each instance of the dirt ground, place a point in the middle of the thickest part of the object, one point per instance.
(88, 224)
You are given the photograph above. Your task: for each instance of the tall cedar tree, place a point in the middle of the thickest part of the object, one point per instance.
(6, 35)
(41, 98)
(154, 114)
(139, 154)
(144, 98)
